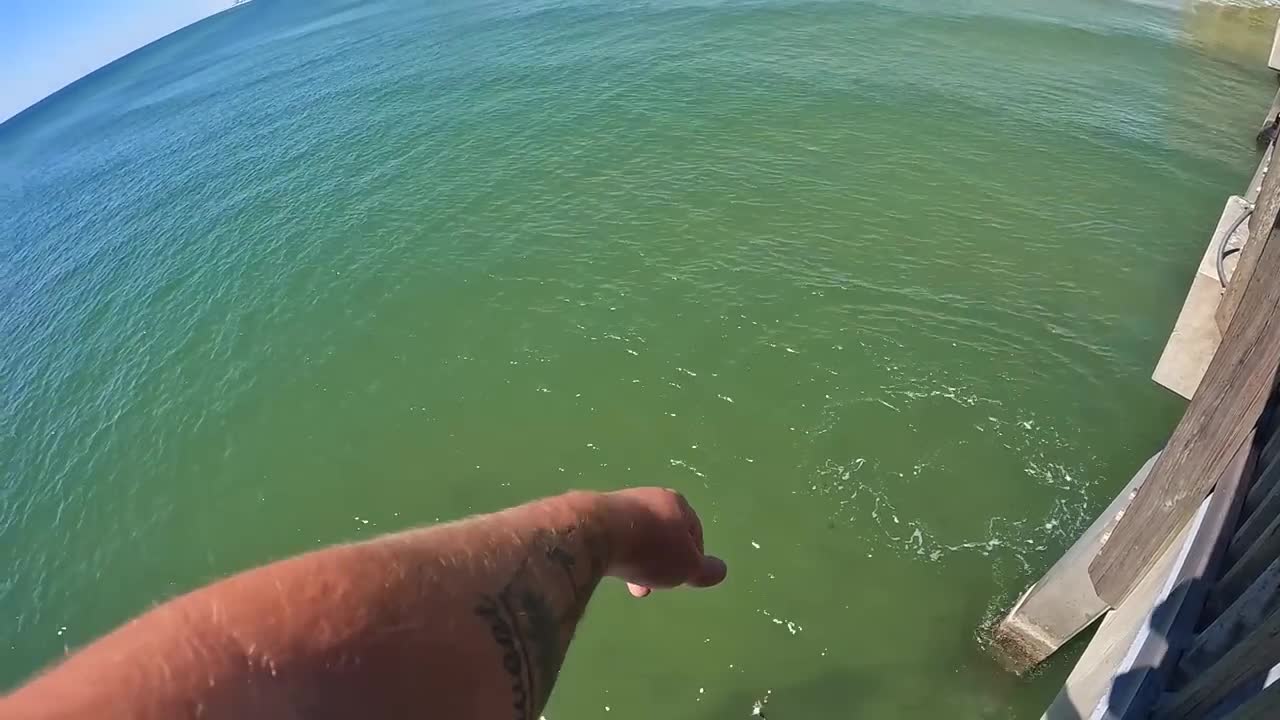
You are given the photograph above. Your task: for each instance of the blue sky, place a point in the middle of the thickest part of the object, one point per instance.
(46, 45)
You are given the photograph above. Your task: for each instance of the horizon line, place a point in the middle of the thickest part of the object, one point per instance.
(33, 106)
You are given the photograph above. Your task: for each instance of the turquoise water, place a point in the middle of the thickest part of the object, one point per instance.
(878, 285)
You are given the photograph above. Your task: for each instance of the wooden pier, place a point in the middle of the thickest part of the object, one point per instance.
(1183, 568)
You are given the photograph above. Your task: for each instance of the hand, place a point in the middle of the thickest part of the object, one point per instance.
(657, 541)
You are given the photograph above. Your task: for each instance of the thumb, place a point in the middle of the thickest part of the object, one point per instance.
(711, 571)
(638, 590)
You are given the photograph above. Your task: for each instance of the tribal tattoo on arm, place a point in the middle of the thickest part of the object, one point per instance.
(533, 616)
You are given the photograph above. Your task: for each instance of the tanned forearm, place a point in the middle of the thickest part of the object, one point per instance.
(470, 620)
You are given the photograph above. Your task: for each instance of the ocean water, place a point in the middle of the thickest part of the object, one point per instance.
(878, 285)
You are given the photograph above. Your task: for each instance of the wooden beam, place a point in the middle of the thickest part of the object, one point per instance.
(1255, 545)
(1138, 677)
(1266, 481)
(1252, 563)
(1221, 415)
(1150, 662)
(1091, 679)
(1271, 450)
(1257, 522)
(1263, 706)
(1254, 655)
(1246, 613)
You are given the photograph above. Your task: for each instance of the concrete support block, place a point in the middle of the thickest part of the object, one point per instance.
(1196, 334)
(1063, 602)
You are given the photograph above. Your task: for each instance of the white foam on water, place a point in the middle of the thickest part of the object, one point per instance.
(871, 495)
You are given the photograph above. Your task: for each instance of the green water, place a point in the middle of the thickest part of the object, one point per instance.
(878, 285)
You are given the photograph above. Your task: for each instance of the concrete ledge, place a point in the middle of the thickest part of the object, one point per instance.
(1195, 335)
(1063, 602)
(1090, 681)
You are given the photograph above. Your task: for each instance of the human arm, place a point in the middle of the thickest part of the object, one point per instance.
(469, 620)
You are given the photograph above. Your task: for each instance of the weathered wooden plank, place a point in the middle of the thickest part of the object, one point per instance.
(1223, 412)
(1246, 613)
(1091, 679)
(1263, 220)
(1249, 567)
(1258, 520)
(1243, 693)
(1263, 706)
(1133, 684)
(1173, 617)
(1263, 486)
(1252, 656)
(1271, 451)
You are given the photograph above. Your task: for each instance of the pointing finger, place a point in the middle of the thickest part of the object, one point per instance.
(711, 571)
